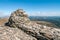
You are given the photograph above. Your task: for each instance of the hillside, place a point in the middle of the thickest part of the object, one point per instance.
(51, 19)
(49, 24)
(3, 20)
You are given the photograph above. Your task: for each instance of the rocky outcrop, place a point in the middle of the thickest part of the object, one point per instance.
(19, 19)
(7, 33)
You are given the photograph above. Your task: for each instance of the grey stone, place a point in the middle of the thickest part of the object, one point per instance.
(7, 33)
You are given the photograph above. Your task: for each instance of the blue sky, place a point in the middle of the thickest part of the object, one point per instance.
(32, 7)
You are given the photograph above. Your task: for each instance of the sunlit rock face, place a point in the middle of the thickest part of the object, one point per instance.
(7, 33)
(19, 19)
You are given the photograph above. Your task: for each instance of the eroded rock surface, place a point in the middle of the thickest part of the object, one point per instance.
(7, 33)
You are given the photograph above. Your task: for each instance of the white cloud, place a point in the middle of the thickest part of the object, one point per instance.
(1, 14)
(44, 14)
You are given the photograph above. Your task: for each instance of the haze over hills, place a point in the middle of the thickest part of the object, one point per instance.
(52, 19)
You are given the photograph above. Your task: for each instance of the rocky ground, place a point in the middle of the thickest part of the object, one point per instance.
(20, 27)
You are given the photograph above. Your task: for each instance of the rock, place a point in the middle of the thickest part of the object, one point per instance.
(20, 20)
(18, 16)
(7, 33)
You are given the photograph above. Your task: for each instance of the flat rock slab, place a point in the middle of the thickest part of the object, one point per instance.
(7, 33)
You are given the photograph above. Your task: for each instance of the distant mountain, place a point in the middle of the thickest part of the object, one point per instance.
(53, 19)
(49, 24)
(5, 17)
